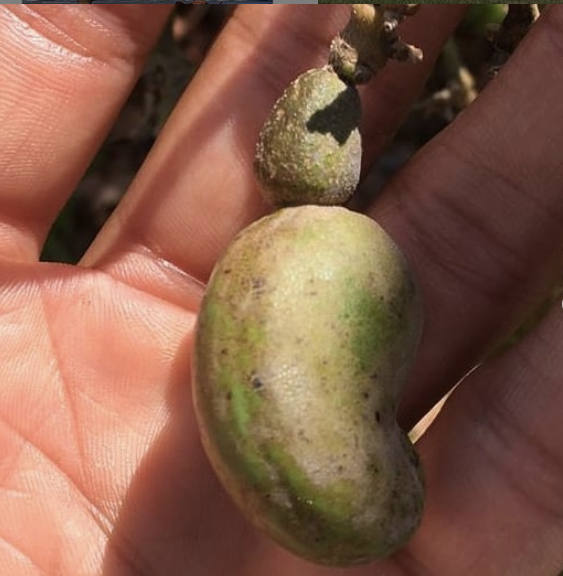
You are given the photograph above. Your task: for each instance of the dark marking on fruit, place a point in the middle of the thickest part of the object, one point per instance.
(256, 382)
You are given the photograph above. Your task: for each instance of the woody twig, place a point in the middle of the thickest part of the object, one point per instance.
(506, 37)
(370, 39)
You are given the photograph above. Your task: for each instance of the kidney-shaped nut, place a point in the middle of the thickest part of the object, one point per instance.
(309, 151)
(304, 339)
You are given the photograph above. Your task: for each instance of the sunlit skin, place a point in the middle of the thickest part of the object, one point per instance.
(101, 467)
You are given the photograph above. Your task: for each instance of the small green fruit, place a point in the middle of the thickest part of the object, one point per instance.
(304, 339)
(309, 151)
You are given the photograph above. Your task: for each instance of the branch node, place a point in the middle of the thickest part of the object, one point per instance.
(369, 40)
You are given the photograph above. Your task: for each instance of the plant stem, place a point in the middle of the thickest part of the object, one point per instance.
(506, 37)
(369, 40)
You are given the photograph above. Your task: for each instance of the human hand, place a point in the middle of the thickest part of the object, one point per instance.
(101, 469)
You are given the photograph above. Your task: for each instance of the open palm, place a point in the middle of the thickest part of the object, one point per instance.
(101, 470)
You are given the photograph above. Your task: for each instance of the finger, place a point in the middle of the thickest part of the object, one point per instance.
(65, 72)
(479, 215)
(197, 189)
(494, 468)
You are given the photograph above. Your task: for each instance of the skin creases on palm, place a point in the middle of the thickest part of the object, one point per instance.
(95, 427)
